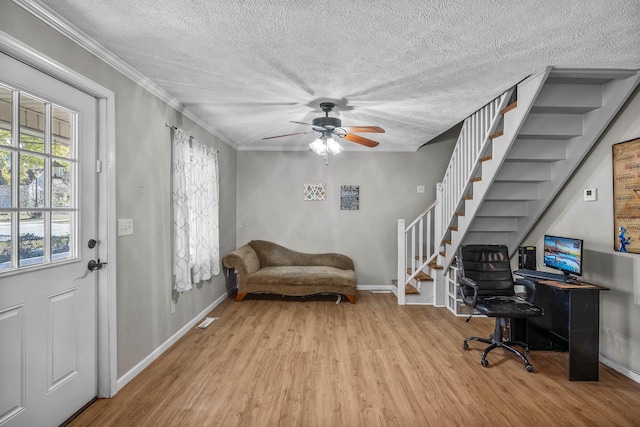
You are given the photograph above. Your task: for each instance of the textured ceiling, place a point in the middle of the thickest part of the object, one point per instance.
(414, 67)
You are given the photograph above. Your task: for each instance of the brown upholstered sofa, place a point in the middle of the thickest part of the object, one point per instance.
(265, 267)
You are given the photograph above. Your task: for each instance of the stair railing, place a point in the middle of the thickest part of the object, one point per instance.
(416, 248)
(421, 240)
(472, 143)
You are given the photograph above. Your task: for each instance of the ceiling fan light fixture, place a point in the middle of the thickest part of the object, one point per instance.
(319, 147)
(333, 147)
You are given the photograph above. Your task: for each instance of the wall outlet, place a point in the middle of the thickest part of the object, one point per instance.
(421, 188)
(125, 227)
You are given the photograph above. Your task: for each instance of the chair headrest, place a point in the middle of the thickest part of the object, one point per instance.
(488, 266)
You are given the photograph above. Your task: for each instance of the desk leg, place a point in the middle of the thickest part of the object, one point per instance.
(584, 317)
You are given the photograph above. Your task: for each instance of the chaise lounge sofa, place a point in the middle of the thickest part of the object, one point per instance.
(265, 267)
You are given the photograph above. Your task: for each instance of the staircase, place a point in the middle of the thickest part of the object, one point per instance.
(512, 158)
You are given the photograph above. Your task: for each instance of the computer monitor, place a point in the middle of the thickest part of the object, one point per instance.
(564, 254)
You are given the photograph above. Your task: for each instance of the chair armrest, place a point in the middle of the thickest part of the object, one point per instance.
(467, 283)
(244, 260)
(531, 288)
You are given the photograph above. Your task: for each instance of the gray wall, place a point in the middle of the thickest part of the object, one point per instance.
(143, 161)
(271, 205)
(570, 216)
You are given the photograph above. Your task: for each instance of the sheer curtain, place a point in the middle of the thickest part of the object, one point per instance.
(195, 211)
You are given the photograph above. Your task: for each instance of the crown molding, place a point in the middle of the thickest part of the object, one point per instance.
(346, 146)
(49, 17)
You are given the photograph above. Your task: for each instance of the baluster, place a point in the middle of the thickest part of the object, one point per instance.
(402, 250)
(413, 249)
(429, 240)
(420, 242)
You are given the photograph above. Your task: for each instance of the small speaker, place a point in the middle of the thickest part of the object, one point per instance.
(527, 257)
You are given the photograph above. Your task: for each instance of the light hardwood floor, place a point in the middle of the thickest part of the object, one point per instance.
(270, 361)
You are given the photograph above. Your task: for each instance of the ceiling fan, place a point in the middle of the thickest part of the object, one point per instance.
(329, 126)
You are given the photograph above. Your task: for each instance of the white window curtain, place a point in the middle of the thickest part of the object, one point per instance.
(196, 246)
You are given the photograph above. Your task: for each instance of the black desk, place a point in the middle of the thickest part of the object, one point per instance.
(571, 322)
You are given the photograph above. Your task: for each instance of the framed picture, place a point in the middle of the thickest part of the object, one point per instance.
(315, 192)
(349, 197)
(626, 196)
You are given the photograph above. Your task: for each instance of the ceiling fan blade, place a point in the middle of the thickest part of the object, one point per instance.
(301, 123)
(288, 134)
(363, 129)
(361, 140)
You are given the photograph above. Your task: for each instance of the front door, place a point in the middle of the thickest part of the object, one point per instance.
(48, 338)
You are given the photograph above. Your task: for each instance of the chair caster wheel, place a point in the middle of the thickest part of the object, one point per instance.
(465, 346)
(484, 362)
(529, 368)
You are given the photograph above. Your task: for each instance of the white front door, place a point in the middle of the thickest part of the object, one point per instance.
(48, 338)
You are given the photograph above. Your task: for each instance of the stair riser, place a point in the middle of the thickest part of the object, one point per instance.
(503, 209)
(568, 98)
(552, 126)
(486, 237)
(524, 172)
(512, 191)
(494, 224)
(538, 150)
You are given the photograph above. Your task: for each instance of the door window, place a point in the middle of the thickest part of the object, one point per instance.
(38, 169)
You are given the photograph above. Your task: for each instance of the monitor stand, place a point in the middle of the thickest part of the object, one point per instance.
(573, 280)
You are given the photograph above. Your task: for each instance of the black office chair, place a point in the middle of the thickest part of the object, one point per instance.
(487, 286)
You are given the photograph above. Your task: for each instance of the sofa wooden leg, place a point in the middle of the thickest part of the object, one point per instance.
(351, 298)
(241, 296)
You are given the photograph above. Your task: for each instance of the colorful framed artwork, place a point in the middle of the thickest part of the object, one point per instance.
(315, 191)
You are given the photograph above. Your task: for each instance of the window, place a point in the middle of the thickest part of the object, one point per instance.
(38, 163)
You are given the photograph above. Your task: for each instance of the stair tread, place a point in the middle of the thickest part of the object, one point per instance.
(496, 135)
(435, 266)
(421, 276)
(509, 107)
(410, 289)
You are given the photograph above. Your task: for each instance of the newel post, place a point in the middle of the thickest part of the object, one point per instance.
(402, 263)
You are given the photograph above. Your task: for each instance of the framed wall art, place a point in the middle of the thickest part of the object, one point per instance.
(349, 197)
(315, 192)
(626, 196)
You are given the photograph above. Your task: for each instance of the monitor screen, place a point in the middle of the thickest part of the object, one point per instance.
(564, 254)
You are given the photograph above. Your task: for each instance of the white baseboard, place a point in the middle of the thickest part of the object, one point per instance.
(133, 372)
(380, 288)
(622, 369)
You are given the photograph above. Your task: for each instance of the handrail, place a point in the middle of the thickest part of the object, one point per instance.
(424, 212)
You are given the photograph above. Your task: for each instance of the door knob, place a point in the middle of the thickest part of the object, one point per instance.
(95, 265)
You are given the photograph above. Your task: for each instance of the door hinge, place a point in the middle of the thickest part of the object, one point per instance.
(98, 166)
